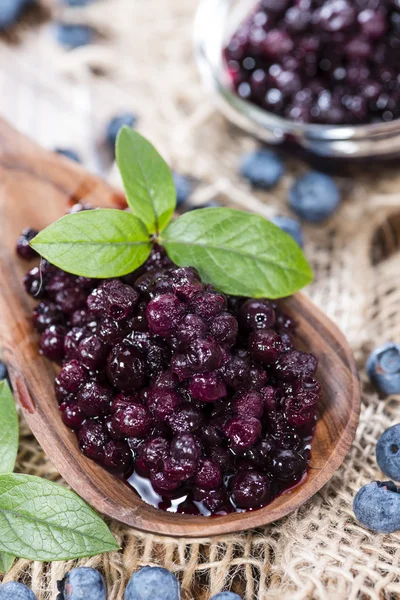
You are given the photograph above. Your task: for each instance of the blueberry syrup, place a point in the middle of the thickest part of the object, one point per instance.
(197, 400)
(319, 61)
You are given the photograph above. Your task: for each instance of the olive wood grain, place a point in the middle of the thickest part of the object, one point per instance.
(37, 187)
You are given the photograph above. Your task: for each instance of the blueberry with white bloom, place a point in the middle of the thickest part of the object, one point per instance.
(153, 583)
(383, 368)
(290, 226)
(115, 124)
(377, 506)
(314, 197)
(82, 583)
(226, 596)
(11, 10)
(388, 452)
(263, 168)
(73, 35)
(16, 591)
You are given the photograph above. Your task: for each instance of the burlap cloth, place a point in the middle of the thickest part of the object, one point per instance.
(146, 60)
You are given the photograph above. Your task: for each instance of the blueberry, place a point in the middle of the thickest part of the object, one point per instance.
(77, 2)
(68, 153)
(74, 35)
(388, 452)
(82, 583)
(3, 371)
(290, 226)
(16, 591)
(10, 11)
(152, 583)
(314, 197)
(210, 204)
(184, 188)
(226, 596)
(377, 506)
(263, 168)
(115, 125)
(383, 368)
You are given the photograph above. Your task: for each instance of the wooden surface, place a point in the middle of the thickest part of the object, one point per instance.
(37, 187)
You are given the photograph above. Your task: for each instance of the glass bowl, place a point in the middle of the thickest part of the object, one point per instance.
(215, 22)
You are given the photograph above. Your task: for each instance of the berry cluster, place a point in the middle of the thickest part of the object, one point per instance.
(167, 379)
(320, 61)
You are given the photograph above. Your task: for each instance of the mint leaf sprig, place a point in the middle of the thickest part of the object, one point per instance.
(40, 520)
(241, 254)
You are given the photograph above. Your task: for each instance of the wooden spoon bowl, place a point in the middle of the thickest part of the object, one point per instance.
(38, 187)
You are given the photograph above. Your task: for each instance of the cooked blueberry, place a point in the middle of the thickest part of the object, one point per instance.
(23, 248)
(290, 226)
(207, 387)
(314, 197)
(126, 368)
(115, 124)
(383, 368)
(152, 583)
(83, 582)
(52, 342)
(14, 590)
(164, 314)
(68, 152)
(74, 35)
(92, 440)
(95, 399)
(251, 489)
(388, 452)
(183, 186)
(263, 168)
(265, 345)
(377, 506)
(132, 421)
(242, 432)
(256, 314)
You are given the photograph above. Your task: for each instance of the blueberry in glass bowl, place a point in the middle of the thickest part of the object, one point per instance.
(319, 75)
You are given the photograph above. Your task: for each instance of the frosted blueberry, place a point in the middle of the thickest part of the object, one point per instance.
(263, 168)
(226, 596)
(74, 35)
(383, 368)
(388, 452)
(82, 583)
(314, 197)
(152, 583)
(16, 591)
(377, 506)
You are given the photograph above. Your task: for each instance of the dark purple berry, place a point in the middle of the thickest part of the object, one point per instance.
(208, 305)
(52, 342)
(185, 446)
(191, 327)
(249, 404)
(126, 368)
(251, 489)
(288, 466)
(242, 432)
(72, 415)
(224, 329)
(294, 364)
(119, 299)
(207, 387)
(256, 314)
(265, 345)
(164, 314)
(46, 314)
(209, 475)
(91, 352)
(186, 420)
(236, 372)
(92, 440)
(23, 248)
(118, 455)
(72, 376)
(94, 399)
(132, 421)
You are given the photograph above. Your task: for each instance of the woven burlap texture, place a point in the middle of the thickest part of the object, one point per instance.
(319, 552)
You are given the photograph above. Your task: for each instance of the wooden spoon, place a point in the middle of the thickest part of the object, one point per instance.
(38, 187)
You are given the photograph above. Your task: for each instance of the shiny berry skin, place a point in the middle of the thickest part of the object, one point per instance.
(314, 197)
(294, 364)
(300, 410)
(52, 342)
(179, 470)
(207, 387)
(256, 314)
(185, 446)
(126, 368)
(46, 314)
(164, 314)
(34, 284)
(163, 403)
(94, 399)
(23, 248)
(208, 305)
(132, 421)
(186, 283)
(251, 489)
(249, 404)
(190, 328)
(186, 419)
(92, 440)
(288, 466)
(383, 368)
(118, 455)
(224, 329)
(162, 483)
(242, 432)
(153, 452)
(72, 341)
(388, 452)
(265, 346)
(263, 168)
(119, 299)
(72, 415)
(209, 475)
(72, 376)
(236, 372)
(91, 352)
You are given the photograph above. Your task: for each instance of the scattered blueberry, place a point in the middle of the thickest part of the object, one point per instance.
(74, 35)
(10, 11)
(153, 583)
(314, 197)
(77, 2)
(291, 226)
(184, 188)
(82, 583)
(383, 368)
(16, 591)
(263, 168)
(3, 371)
(377, 506)
(115, 125)
(388, 452)
(226, 596)
(210, 204)
(68, 153)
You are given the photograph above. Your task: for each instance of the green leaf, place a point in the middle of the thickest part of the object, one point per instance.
(147, 179)
(9, 430)
(6, 562)
(40, 520)
(240, 253)
(95, 243)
